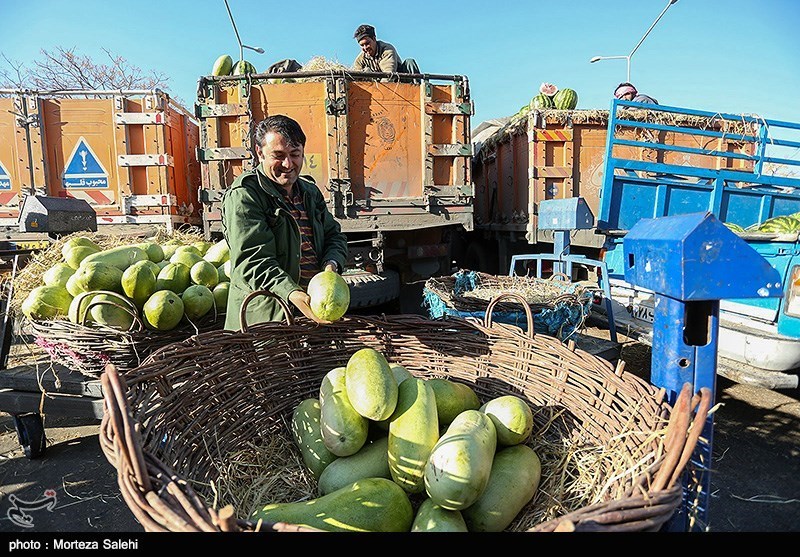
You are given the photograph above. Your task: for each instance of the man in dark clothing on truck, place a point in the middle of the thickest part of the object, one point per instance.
(379, 56)
(626, 91)
(278, 228)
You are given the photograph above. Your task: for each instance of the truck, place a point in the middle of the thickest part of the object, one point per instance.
(391, 154)
(638, 161)
(759, 338)
(129, 154)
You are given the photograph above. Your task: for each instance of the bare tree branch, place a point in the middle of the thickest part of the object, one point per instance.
(63, 68)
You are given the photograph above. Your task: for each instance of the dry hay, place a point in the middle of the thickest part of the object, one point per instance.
(567, 118)
(575, 474)
(30, 276)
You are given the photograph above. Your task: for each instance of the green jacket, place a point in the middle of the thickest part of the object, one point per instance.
(264, 241)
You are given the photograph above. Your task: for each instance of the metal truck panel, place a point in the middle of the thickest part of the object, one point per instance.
(129, 154)
(386, 155)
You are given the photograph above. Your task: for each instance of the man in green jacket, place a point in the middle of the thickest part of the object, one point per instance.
(278, 228)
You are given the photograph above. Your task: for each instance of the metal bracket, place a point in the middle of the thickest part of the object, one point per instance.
(145, 160)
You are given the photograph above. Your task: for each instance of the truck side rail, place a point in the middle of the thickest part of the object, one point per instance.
(744, 182)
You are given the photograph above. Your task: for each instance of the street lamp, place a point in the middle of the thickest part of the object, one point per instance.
(629, 56)
(243, 46)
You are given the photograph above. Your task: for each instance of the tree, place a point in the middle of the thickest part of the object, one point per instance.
(64, 69)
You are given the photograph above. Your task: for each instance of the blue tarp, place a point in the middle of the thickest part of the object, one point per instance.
(561, 320)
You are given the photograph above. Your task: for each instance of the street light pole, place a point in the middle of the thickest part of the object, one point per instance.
(635, 48)
(242, 46)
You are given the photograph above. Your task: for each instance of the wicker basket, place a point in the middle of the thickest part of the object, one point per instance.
(89, 347)
(229, 386)
(559, 306)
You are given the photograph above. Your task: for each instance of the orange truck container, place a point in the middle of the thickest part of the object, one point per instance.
(554, 154)
(391, 154)
(130, 154)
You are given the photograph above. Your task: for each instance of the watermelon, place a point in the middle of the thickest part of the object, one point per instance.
(785, 224)
(223, 65)
(734, 227)
(548, 89)
(243, 67)
(542, 101)
(565, 99)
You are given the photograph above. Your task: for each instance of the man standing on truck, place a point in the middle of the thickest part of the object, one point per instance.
(627, 92)
(278, 228)
(379, 56)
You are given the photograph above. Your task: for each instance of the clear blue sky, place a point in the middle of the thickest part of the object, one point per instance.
(739, 56)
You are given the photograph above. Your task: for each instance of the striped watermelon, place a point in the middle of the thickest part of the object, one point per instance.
(542, 101)
(735, 227)
(242, 67)
(785, 224)
(565, 99)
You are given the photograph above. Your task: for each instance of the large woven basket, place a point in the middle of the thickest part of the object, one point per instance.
(89, 347)
(559, 306)
(168, 422)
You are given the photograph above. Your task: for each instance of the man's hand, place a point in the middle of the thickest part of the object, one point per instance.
(302, 300)
(331, 266)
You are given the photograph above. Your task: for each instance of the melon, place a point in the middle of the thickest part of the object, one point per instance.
(197, 301)
(175, 277)
(139, 282)
(163, 310)
(46, 302)
(218, 254)
(330, 295)
(542, 101)
(111, 311)
(58, 275)
(566, 99)
(243, 67)
(203, 272)
(222, 65)
(98, 276)
(220, 293)
(548, 89)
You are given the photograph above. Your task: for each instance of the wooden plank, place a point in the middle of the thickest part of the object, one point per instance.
(18, 402)
(57, 379)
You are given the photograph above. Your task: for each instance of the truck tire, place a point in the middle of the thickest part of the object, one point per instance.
(371, 289)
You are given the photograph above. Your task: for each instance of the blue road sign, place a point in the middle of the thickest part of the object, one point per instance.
(5, 178)
(83, 169)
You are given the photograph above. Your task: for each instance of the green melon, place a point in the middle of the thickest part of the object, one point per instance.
(163, 310)
(542, 101)
(243, 67)
(565, 99)
(222, 66)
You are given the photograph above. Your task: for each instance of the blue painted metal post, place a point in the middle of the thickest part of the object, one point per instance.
(691, 262)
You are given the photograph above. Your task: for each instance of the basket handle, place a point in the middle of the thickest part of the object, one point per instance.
(560, 276)
(287, 312)
(487, 319)
(131, 308)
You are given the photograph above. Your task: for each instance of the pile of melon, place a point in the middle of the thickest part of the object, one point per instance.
(142, 283)
(392, 452)
(224, 66)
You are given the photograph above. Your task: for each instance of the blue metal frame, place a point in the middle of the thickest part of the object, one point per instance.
(742, 197)
(569, 260)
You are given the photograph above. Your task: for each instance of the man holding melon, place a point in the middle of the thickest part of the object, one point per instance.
(278, 228)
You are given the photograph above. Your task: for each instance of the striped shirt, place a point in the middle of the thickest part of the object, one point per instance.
(309, 266)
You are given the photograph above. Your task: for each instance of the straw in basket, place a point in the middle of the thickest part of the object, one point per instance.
(171, 424)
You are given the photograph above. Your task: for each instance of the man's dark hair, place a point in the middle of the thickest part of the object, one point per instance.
(282, 125)
(364, 31)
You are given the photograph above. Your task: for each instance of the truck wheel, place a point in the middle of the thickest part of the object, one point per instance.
(30, 433)
(371, 289)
